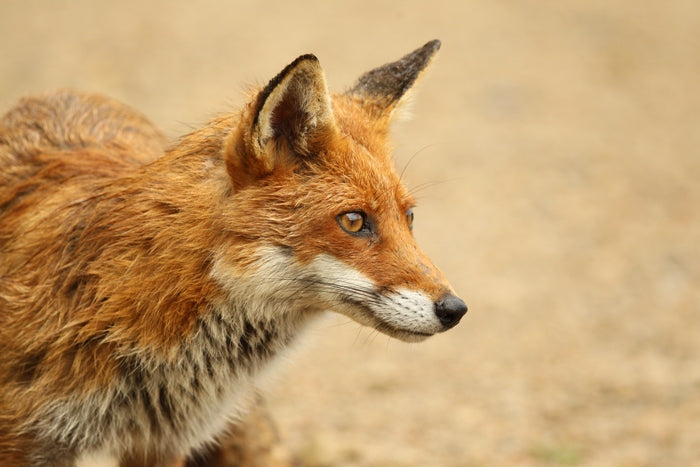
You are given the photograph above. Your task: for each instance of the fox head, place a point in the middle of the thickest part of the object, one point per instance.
(317, 217)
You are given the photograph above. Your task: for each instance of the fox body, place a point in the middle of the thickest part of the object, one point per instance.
(145, 288)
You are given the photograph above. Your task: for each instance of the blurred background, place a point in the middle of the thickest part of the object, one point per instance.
(555, 147)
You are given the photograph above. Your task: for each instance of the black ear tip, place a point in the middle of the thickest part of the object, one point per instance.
(428, 50)
(389, 83)
(433, 45)
(297, 61)
(305, 57)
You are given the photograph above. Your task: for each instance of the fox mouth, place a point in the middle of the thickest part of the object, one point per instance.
(368, 317)
(405, 335)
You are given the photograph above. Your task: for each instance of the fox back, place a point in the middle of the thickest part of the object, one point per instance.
(145, 288)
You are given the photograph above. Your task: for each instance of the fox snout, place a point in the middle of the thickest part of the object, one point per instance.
(449, 310)
(411, 316)
(409, 310)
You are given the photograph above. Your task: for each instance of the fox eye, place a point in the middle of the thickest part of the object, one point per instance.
(353, 222)
(409, 218)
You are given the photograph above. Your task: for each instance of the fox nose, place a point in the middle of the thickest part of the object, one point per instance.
(449, 310)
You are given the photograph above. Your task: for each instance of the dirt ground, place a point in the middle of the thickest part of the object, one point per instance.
(556, 150)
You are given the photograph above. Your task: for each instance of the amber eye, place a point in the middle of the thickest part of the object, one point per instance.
(409, 218)
(352, 222)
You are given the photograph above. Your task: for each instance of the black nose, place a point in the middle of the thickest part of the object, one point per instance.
(449, 310)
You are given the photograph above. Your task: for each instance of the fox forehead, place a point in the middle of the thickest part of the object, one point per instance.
(353, 180)
(371, 131)
(357, 163)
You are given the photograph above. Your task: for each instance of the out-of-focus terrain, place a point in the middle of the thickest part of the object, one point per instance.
(555, 151)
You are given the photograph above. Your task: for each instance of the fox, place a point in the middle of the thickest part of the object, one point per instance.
(147, 287)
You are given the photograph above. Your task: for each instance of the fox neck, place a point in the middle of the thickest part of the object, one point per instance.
(179, 404)
(186, 337)
(217, 371)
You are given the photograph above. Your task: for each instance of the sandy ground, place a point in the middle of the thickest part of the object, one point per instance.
(556, 150)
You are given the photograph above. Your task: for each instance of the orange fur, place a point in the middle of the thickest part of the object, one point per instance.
(142, 288)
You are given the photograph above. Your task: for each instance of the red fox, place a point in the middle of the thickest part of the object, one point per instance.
(144, 288)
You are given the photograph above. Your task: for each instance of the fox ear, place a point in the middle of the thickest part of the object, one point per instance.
(385, 87)
(293, 106)
(287, 120)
